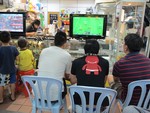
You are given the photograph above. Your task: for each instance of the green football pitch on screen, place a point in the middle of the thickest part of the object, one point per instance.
(88, 26)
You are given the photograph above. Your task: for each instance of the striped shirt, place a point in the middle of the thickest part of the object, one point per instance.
(132, 67)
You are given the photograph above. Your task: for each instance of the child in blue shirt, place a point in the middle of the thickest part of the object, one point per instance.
(8, 56)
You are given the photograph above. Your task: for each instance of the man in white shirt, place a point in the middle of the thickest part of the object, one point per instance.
(55, 62)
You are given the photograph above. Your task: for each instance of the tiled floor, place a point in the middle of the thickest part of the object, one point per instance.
(22, 104)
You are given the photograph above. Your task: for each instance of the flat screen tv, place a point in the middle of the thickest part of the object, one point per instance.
(88, 26)
(14, 22)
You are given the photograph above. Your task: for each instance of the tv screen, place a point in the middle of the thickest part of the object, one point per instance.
(88, 26)
(14, 22)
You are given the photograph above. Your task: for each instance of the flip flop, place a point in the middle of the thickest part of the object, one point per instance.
(11, 98)
(2, 101)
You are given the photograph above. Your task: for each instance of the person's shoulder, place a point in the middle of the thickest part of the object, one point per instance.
(63, 51)
(1, 48)
(29, 26)
(79, 59)
(103, 59)
(121, 61)
(144, 57)
(67, 53)
(46, 49)
(13, 47)
(28, 51)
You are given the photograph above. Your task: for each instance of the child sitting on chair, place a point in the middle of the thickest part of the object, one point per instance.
(25, 62)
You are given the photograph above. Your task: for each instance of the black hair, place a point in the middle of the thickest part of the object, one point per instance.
(22, 42)
(5, 37)
(60, 38)
(36, 22)
(91, 47)
(134, 42)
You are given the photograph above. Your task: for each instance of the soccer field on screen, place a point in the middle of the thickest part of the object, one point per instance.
(88, 26)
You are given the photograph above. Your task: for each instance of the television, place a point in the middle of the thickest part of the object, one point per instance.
(14, 22)
(88, 26)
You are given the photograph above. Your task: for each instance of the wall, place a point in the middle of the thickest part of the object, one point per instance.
(73, 5)
(2, 7)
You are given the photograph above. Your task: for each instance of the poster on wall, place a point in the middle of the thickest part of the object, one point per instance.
(53, 17)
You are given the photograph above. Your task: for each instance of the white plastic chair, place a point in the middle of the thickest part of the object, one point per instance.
(104, 92)
(40, 101)
(142, 100)
(135, 109)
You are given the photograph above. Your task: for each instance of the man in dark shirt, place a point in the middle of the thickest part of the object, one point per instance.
(89, 70)
(134, 66)
(32, 28)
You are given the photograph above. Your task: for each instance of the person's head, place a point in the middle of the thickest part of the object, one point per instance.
(60, 39)
(5, 37)
(22, 43)
(36, 23)
(91, 47)
(132, 43)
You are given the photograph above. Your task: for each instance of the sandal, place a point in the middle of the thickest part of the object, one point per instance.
(2, 101)
(11, 98)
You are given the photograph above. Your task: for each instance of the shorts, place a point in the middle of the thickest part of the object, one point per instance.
(12, 78)
(29, 72)
(7, 79)
(4, 79)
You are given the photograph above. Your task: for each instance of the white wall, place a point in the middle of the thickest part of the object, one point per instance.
(57, 5)
(2, 7)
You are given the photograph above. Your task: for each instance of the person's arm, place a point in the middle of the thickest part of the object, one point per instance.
(68, 68)
(115, 74)
(71, 67)
(73, 79)
(16, 53)
(107, 72)
(105, 79)
(30, 31)
(32, 57)
(30, 34)
(17, 59)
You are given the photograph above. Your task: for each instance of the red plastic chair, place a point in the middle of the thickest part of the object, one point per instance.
(19, 84)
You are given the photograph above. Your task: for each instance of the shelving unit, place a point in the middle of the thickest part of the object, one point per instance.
(127, 17)
(131, 18)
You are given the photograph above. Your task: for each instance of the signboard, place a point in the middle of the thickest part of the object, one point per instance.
(53, 17)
